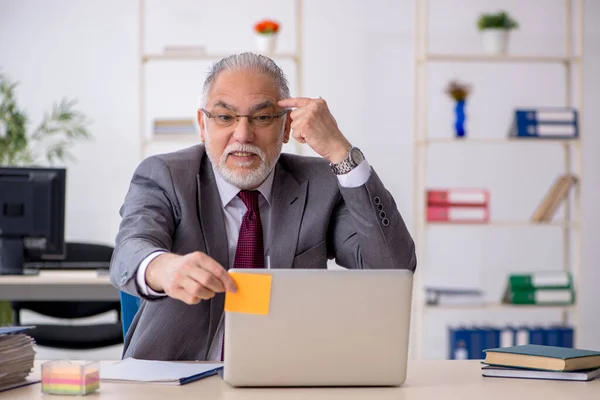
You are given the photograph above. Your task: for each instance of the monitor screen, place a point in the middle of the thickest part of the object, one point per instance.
(32, 216)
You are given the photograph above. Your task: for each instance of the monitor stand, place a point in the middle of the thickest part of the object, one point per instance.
(12, 253)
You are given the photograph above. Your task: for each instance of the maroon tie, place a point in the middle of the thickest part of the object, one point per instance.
(250, 250)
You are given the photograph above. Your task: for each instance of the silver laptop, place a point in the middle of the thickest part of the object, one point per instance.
(324, 328)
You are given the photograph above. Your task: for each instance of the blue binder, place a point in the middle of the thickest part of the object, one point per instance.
(553, 336)
(459, 343)
(566, 336)
(537, 335)
(477, 343)
(546, 123)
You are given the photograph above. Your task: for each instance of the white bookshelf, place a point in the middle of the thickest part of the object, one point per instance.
(569, 223)
(145, 58)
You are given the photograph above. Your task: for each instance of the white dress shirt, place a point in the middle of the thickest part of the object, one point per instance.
(234, 210)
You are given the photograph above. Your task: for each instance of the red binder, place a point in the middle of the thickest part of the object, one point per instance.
(458, 197)
(458, 214)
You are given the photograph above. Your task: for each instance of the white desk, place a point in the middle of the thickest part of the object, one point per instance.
(426, 380)
(58, 285)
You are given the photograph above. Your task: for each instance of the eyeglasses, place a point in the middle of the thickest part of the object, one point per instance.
(258, 120)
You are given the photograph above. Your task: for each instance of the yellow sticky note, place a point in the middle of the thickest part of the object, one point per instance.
(253, 294)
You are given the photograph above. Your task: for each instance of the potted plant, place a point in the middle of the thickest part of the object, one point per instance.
(495, 29)
(266, 36)
(459, 93)
(49, 142)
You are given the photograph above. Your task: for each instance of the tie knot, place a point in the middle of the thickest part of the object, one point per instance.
(250, 199)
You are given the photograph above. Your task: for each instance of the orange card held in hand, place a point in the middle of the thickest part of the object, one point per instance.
(253, 294)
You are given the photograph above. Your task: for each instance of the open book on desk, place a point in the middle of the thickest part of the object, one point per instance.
(132, 370)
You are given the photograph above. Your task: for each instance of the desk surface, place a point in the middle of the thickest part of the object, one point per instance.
(448, 380)
(58, 285)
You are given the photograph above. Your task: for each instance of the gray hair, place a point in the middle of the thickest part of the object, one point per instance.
(247, 62)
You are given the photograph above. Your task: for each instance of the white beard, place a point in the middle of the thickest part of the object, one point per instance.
(250, 178)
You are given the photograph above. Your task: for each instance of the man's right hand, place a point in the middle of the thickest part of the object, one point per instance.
(190, 278)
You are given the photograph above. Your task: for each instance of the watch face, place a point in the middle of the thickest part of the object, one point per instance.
(356, 156)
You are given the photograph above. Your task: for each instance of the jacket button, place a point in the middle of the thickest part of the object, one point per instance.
(380, 206)
(376, 200)
(382, 215)
(385, 222)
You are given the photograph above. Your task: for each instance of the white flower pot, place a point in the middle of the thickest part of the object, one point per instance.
(265, 44)
(495, 41)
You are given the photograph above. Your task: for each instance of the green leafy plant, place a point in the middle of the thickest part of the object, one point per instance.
(58, 131)
(499, 20)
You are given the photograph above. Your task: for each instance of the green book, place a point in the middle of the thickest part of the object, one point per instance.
(545, 279)
(546, 358)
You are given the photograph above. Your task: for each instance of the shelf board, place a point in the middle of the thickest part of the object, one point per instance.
(511, 58)
(499, 306)
(199, 56)
(506, 140)
(508, 224)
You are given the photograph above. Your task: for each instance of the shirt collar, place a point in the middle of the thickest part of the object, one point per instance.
(228, 192)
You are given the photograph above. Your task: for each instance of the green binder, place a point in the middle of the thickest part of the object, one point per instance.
(546, 279)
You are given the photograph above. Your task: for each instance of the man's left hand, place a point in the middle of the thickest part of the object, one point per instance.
(313, 124)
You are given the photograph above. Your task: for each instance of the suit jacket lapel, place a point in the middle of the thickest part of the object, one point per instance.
(215, 236)
(288, 201)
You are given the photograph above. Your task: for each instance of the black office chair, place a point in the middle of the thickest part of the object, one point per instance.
(75, 337)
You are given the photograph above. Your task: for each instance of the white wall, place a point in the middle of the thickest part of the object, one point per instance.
(358, 56)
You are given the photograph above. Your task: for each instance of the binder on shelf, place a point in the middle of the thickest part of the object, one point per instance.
(543, 279)
(537, 296)
(459, 343)
(459, 205)
(469, 343)
(545, 123)
(458, 197)
(458, 214)
(557, 193)
(540, 288)
(452, 296)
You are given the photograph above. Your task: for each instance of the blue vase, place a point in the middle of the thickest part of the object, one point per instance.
(459, 125)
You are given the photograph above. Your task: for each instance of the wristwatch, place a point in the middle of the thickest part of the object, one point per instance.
(354, 157)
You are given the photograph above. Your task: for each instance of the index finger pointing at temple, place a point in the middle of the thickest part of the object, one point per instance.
(294, 102)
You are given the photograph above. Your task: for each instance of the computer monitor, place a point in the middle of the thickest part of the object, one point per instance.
(32, 216)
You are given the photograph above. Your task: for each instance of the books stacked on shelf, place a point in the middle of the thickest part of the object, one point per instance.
(17, 355)
(541, 362)
(545, 123)
(458, 205)
(540, 288)
(557, 193)
(174, 127)
(453, 296)
(469, 343)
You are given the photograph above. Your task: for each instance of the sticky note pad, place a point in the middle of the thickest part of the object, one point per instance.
(70, 377)
(253, 294)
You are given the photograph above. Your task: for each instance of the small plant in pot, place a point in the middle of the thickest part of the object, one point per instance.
(495, 29)
(266, 36)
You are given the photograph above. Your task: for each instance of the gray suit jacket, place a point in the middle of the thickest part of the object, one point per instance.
(173, 204)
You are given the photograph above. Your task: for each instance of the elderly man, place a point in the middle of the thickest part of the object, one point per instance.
(236, 201)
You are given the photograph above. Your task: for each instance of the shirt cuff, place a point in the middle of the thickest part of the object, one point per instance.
(141, 275)
(357, 177)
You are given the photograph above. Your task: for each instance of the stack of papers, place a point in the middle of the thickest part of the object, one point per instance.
(17, 354)
(162, 372)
